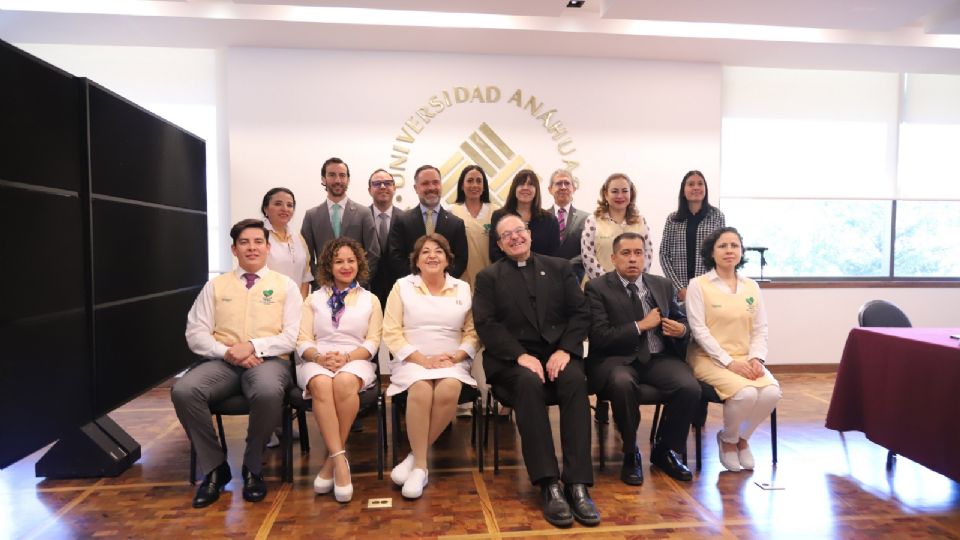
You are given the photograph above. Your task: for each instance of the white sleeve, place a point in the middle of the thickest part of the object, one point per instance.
(698, 325)
(200, 326)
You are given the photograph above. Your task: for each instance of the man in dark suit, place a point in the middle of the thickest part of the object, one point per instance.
(382, 188)
(562, 187)
(428, 216)
(638, 335)
(339, 216)
(532, 319)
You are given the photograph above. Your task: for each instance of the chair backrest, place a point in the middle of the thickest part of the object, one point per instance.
(882, 313)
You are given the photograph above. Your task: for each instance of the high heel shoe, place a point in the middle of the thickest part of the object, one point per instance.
(342, 494)
(321, 485)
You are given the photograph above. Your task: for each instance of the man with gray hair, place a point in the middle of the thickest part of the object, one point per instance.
(562, 187)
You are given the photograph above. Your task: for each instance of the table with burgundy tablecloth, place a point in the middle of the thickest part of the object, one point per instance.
(901, 388)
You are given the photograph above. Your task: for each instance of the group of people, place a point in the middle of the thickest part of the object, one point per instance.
(525, 285)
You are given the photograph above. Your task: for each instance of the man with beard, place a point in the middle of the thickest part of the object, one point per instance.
(426, 217)
(532, 319)
(339, 216)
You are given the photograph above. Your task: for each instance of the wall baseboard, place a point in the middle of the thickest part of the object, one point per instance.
(803, 368)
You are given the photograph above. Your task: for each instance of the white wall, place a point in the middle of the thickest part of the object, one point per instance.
(280, 113)
(810, 326)
(289, 110)
(179, 85)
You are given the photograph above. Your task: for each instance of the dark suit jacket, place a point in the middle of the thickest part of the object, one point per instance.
(544, 235)
(613, 333)
(407, 226)
(570, 245)
(507, 323)
(382, 281)
(355, 222)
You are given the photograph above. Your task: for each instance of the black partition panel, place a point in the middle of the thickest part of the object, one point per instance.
(149, 240)
(45, 361)
(132, 349)
(141, 250)
(105, 211)
(138, 156)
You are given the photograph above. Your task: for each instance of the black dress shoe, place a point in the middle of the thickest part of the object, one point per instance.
(669, 462)
(556, 510)
(213, 482)
(631, 472)
(581, 503)
(254, 488)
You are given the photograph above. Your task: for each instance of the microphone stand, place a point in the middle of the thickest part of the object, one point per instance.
(763, 259)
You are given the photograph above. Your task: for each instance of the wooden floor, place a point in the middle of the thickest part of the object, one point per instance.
(831, 487)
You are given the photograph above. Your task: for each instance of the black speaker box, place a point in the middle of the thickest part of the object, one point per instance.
(99, 448)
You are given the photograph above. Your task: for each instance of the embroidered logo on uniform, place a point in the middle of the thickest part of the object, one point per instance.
(751, 306)
(749, 300)
(268, 297)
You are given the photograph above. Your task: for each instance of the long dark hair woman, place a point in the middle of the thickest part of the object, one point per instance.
(685, 231)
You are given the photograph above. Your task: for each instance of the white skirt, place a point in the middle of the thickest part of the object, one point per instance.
(407, 373)
(364, 369)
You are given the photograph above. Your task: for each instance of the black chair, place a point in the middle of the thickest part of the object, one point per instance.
(709, 395)
(880, 313)
(468, 394)
(495, 401)
(237, 405)
(649, 395)
(371, 400)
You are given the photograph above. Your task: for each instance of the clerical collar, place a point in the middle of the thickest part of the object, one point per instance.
(521, 264)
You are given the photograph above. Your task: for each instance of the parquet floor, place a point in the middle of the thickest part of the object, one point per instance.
(832, 487)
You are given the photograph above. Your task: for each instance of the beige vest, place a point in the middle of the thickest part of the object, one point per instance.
(730, 316)
(240, 314)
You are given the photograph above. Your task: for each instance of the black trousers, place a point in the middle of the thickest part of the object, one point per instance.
(530, 398)
(675, 381)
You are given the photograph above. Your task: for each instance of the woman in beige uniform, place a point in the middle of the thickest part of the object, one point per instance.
(728, 322)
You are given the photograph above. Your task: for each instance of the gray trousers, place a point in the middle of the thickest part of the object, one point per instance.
(211, 381)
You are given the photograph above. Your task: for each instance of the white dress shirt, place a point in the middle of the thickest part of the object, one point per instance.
(200, 321)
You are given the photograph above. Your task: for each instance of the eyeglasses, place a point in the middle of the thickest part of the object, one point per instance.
(381, 183)
(505, 235)
(560, 184)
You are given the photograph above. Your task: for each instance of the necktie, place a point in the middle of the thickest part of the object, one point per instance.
(562, 220)
(635, 301)
(640, 308)
(383, 231)
(335, 220)
(251, 278)
(429, 223)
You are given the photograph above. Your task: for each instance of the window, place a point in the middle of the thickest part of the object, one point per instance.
(820, 166)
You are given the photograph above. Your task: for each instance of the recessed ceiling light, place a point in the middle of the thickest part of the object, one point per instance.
(576, 3)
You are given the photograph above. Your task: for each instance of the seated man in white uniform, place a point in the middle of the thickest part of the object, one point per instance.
(243, 325)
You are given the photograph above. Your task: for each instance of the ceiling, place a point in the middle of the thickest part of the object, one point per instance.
(886, 35)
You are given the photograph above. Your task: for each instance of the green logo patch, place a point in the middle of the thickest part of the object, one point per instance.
(749, 300)
(269, 292)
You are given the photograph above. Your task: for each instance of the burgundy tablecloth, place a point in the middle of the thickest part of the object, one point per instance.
(901, 387)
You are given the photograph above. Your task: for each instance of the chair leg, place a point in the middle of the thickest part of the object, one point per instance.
(773, 434)
(496, 436)
(487, 417)
(891, 459)
(655, 426)
(287, 443)
(603, 410)
(395, 418)
(698, 440)
(304, 431)
(381, 436)
(223, 438)
(475, 434)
